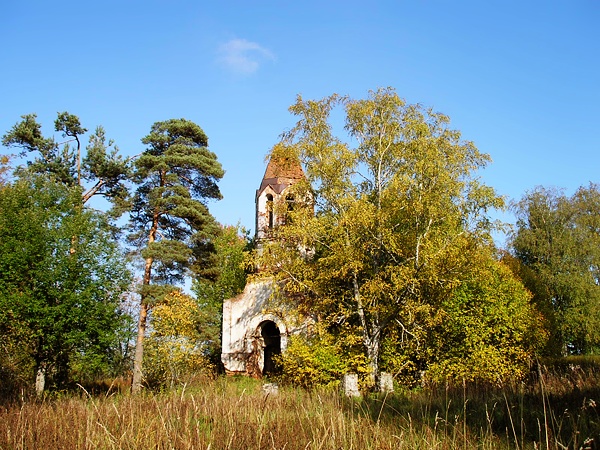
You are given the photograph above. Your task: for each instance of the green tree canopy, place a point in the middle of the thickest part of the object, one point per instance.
(557, 242)
(101, 171)
(175, 177)
(391, 213)
(487, 329)
(57, 306)
(224, 277)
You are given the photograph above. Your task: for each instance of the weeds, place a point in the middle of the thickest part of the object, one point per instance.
(556, 409)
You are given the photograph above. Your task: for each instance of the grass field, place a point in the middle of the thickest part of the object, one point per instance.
(555, 409)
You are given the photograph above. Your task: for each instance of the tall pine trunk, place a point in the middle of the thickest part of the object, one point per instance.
(136, 384)
(138, 374)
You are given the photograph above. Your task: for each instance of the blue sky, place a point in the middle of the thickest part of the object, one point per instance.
(520, 79)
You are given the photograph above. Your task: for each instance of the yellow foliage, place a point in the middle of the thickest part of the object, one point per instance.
(318, 361)
(176, 316)
(174, 351)
(491, 330)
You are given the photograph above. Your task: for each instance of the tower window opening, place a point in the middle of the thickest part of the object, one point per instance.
(289, 199)
(289, 203)
(270, 211)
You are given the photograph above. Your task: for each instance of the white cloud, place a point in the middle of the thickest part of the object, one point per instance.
(242, 56)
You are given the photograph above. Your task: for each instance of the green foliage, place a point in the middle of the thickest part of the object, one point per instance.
(489, 330)
(16, 364)
(387, 223)
(59, 296)
(175, 177)
(27, 135)
(175, 349)
(101, 171)
(222, 277)
(107, 170)
(170, 222)
(557, 246)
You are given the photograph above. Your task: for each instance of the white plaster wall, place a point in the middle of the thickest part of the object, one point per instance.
(242, 316)
(239, 312)
(262, 217)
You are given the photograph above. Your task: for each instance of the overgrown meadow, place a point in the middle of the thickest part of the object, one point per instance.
(379, 242)
(555, 409)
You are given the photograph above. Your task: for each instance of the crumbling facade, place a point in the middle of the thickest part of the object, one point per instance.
(256, 325)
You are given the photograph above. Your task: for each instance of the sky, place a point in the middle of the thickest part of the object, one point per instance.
(518, 78)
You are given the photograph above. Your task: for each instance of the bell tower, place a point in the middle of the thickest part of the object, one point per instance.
(280, 174)
(256, 325)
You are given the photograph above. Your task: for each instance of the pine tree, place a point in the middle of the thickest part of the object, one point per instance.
(175, 176)
(100, 171)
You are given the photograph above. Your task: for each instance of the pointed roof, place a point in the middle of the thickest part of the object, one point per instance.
(280, 173)
(284, 168)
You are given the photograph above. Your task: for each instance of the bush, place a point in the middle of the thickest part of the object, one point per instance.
(174, 351)
(312, 362)
(490, 331)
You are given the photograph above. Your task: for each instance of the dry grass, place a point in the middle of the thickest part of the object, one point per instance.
(235, 414)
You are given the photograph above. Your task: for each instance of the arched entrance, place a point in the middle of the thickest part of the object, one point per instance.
(271, 337)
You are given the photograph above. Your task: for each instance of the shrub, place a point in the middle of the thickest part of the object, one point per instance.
(174, 350)
(312, 362)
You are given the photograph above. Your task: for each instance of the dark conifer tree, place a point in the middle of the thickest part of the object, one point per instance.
(175, 176)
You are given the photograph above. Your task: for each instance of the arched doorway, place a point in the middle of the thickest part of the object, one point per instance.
(271, 337)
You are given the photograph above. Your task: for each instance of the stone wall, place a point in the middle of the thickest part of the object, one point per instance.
(242, 343)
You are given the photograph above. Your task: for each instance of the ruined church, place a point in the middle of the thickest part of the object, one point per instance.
(255, 327)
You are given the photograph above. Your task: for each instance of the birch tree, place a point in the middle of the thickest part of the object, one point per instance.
(395, 206)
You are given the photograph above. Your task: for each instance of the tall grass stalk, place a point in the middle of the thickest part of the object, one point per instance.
(555, 410)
